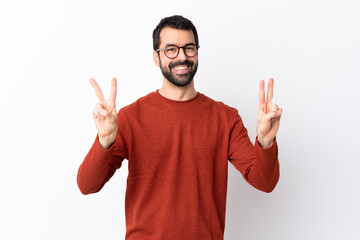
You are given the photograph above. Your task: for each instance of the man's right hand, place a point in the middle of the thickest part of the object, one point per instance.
(105, 115)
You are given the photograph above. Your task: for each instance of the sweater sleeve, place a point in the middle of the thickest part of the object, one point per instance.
(259, 166)
(100, 165)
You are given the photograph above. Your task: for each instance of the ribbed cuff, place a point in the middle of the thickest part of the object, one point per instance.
(100, 152)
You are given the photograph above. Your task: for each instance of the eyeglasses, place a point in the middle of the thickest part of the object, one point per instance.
(172, 51)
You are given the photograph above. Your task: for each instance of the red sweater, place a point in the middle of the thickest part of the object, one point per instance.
(178, 153)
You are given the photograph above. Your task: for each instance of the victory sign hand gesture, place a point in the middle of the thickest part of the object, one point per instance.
(269, 114)
(105, 115)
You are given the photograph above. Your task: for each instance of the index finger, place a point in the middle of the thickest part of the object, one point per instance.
(269, 95)
(113, 89)
(262, 92)
(97, 90)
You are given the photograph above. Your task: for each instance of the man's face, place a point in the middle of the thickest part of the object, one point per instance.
(181, 69)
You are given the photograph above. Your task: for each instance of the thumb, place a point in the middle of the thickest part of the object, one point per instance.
(275, 113)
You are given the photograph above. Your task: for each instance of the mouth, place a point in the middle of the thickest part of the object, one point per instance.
(181, 69)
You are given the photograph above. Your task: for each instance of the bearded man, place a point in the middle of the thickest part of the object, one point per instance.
(178, 143)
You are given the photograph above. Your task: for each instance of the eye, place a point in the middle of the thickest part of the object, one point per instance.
(171, 49)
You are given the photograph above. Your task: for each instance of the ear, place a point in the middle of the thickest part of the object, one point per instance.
(156, 58)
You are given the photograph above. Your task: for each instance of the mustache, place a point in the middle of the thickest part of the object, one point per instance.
(186, 62)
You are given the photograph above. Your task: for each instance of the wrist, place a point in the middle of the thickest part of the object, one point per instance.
(106, 142)
(264, 143)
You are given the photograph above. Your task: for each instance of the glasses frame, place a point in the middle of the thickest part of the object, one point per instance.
(183, 47)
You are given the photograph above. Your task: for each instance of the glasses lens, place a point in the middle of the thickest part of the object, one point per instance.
(190, 51)
(171, 51)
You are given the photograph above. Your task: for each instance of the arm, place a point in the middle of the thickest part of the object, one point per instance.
(107, 152)
(259, 164)
(100, 164)
(97, 168)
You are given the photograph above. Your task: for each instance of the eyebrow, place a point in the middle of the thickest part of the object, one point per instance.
(172, 44)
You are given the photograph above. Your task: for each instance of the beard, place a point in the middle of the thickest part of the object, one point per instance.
(181, 80)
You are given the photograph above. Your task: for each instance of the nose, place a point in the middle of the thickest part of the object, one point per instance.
(181, 56)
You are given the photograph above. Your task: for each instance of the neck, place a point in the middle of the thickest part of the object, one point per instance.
(176, 93)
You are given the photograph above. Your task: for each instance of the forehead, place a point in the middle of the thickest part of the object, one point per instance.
(176, 36)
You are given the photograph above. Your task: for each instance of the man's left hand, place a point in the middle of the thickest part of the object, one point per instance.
(268, 118)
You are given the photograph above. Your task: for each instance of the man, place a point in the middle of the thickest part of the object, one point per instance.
(178, 143)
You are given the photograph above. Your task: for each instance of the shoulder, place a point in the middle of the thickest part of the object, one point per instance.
(221, 107)
(139, 103)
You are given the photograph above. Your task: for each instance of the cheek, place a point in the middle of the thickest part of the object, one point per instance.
(164, 63)
(194, 60)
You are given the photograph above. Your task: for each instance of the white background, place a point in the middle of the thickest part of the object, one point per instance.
(49, 50)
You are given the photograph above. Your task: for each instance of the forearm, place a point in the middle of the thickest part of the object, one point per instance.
(93, 171)
(264, 172)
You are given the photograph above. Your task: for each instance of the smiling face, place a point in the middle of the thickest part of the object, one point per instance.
(180, 70)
